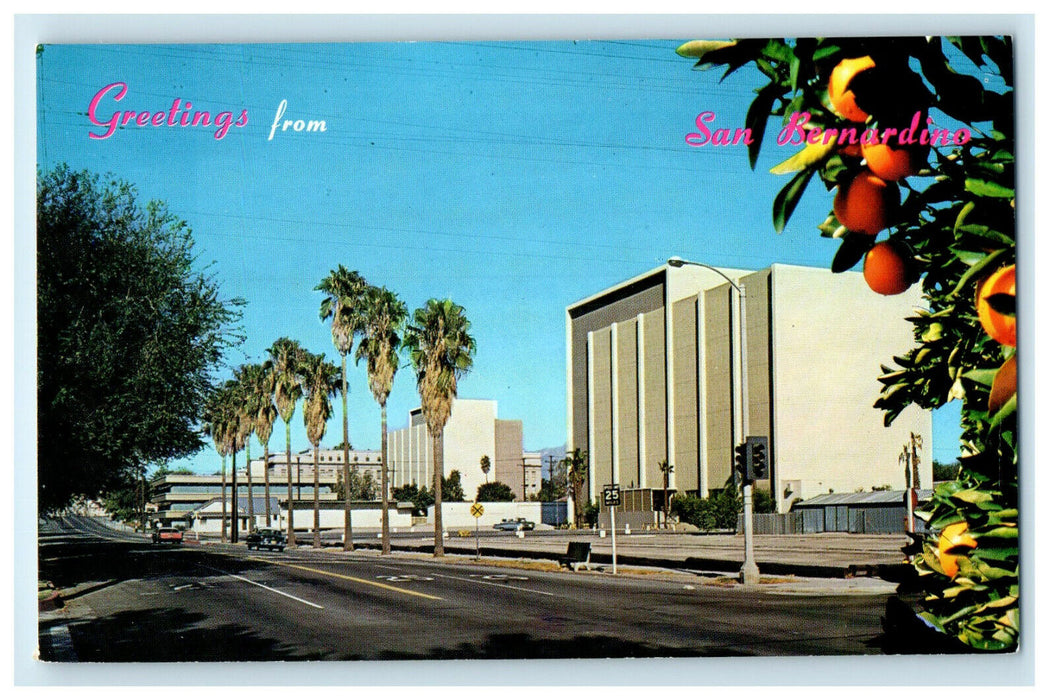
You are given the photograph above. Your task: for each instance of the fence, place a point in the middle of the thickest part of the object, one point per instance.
(806, 521)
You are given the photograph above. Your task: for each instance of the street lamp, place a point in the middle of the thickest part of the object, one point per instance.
(749, 571)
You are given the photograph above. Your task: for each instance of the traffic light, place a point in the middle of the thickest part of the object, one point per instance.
(740, 459)
(759, 460)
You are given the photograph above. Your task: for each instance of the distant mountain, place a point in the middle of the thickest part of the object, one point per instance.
(558, 453)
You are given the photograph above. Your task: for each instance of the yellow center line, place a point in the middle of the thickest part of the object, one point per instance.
(347, 578)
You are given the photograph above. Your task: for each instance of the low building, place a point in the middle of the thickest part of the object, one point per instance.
(331, 464)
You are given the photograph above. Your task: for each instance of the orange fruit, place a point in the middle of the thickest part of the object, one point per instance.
(866, 204)
(890, 163)
(998, 326)
(889, 268)
(952, 542)
(843, 100)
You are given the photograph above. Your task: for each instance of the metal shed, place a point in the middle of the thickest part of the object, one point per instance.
(871, 512)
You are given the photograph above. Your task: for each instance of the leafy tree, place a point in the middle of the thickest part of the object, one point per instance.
(955, 228)
(129, 332)
(590, 513)
(361, 486)
(321, 381)
(554, 489)
(384, 318)
(941, 471)
(441, 351)
(494, 492)
(343, 307)
(451, 488)
(286, 356)
(718, 511)
(420, 497)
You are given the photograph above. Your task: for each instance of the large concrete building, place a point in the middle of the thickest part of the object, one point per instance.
(651, 376)
(473, 431)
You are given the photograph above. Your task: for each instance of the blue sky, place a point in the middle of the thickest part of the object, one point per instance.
(514, 178)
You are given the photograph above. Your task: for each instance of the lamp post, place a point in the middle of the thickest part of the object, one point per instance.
(749, 571)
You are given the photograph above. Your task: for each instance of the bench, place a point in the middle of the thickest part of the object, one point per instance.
(578, 555)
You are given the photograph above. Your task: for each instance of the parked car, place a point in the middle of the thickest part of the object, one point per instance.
(513, 525)
(266, 538)
(166, 535)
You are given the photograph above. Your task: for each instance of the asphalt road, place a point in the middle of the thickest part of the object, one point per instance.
(128, 600)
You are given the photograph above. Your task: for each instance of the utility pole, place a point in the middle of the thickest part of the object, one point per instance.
(524, 479)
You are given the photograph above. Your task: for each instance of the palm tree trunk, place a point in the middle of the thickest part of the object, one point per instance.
(384, 482)
(438, 525)
(234, 499)
(223, 498)
(267, 489)
(316, 542)
(348, 484)
(249, 490)
(291, 537)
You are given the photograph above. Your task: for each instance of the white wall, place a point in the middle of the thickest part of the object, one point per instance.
(831, 334)
(456, 516)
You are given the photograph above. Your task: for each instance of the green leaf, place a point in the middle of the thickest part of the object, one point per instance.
(854, 246)
(809, 156)
(787, 199)
(756, 118)
(1007, 410)
(976, 271)
(984, 377)
(972, 496)
(987, 188)
(699, 49)
(962, 215)
(1003, 532)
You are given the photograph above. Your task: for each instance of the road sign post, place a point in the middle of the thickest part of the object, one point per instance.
(477, 510)
(611, 496)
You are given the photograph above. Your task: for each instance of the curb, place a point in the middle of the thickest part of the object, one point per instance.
(691, 563)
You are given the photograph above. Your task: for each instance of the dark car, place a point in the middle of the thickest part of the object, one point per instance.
(514, 524)
(166, 535)
(266, 539)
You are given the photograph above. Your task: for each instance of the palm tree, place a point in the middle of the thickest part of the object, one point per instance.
(285, 356)
(344, 290)
(485, 466)
(321, 380)
(262, 391)
(575, 464)
(248, 376)
(441, 352)
(384, 317)
(666, 469)
(217, 426)
(236, 433)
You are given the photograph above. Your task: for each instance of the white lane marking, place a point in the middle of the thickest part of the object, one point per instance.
(267, 588)
(492, 583)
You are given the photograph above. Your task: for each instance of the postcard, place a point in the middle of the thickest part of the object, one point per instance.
(594, 349)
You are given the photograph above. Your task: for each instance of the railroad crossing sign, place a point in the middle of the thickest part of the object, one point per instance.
(611, 495)
(476, 510)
